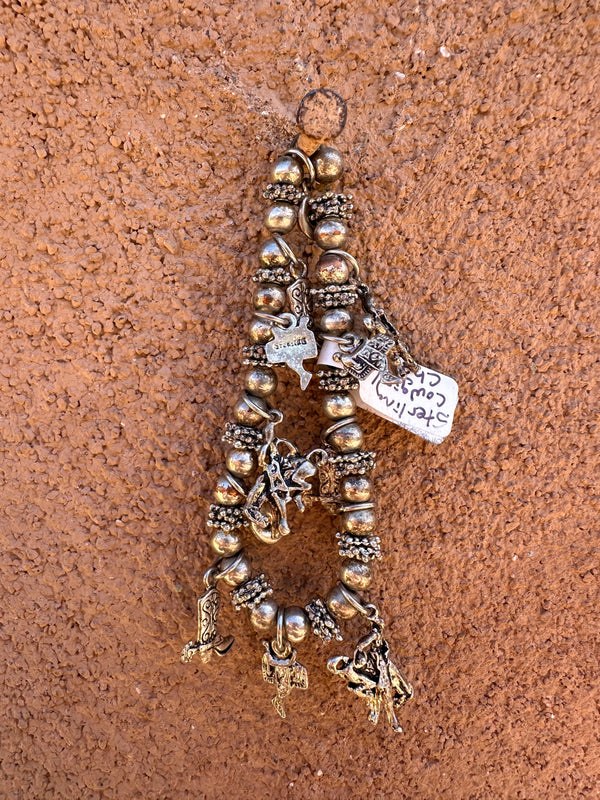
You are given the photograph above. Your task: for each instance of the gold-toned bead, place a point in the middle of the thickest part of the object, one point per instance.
(237, 569)
(287, 170)
(246, 415)
(269, 298)
(336, 321)
(332, 269)
(264, 615)
(356, 489)
(328, 163)
(260, 331)
(296, 624)
(330, 233)
(281, 217)
(347, 439)
(226, 493)
(362, 521)
(338, 405)
(271, 255)
(261, 381)
(226, 543)
(242, 463)
(356, 575)
(339, 605)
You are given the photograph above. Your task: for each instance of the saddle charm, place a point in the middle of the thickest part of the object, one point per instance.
(285, 672)
(207, 640)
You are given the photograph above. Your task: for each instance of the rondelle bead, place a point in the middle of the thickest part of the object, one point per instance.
(347, 439)
(356, 574)
(225, 492)
(281, 217)
(338, 405)
(330, 233)
(261, 381)
(287, 170)
(237, 569)
(340, 606)
(241, 463)
(362, 521)
(328, 163)
(269, 298)
(356, 489)
(226, 543)
(336, 321)
(245, 415)
(264, 615)
(296, 624)
(271, 255)
(332, 269)
(260, 331)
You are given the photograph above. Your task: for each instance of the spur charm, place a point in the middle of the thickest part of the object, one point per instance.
(292, 346)
(286, 673)
(370, 674)
(207, 640)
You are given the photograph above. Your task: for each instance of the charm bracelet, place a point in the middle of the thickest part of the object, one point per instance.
(366, 366)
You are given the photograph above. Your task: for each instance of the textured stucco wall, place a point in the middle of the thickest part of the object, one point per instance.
(136, 138)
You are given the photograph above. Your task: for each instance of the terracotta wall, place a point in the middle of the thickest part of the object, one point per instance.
(136, 139)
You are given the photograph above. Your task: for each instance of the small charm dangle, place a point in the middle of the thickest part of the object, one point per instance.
(207, 640)
(280, 667)
(370, 673)
(292, 346)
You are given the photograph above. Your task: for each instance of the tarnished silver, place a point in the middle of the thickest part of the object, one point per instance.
(310, 167)
(293, 346)
(285, 672)
(370, 673)
(207, 640)
(357, 507)
(297, 294)
(349, 258)
(337, 425)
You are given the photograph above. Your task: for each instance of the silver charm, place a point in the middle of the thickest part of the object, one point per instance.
(292, 346)
(370, 674)
(286, 673)
(207, 640)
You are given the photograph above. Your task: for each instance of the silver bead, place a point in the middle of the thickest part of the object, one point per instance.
(225, 492)
(271, 255)
(340, 606)
(245, 415)
(261, 381)
(263, 616)
(336, 321)
(281, 218)
(356, 489)
(269, 298)
(287, 170)
(330, 233)
(356, 574)
(363, 521)
(328, 163)
(226, 543)
(296, 624)
(241, 463)
(237, 569)
(338, 405)
(260, 331)
(332, 269)
(347, 439)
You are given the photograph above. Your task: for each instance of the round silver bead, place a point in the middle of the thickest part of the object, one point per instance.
(287, 170)
(237, 569)
(336, 321)
(356, 489)
(347, 439)
(338, 605)
(328, 163)
(296, 624)
(241, 463)
(226, 543)
(363, 521)
(269, 298)
(338, 405)
(281, 217)
(260, 331)
(261, 381)
(245, 415)
(225, 492)
(264, 615)
(356, 575)
(330, 233)
(332, 269)
(271, 255)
